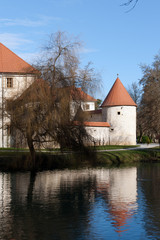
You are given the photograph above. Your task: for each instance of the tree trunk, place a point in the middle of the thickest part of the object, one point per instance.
(31, 148)
(140, 133)
(30, 188)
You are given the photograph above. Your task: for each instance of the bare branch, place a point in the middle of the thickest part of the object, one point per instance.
(129, 3)
(43, 114)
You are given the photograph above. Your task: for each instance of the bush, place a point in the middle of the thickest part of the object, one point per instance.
(146, 139)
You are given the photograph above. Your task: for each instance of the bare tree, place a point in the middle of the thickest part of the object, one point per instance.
(42, 114)
(28, 116)
(149, 112)
(135, 92)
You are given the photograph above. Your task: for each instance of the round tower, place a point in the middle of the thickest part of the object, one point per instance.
(119, 110)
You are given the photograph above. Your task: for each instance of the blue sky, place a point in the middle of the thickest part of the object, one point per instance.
(115, 41)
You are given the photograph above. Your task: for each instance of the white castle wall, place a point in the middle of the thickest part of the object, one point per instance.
(100, 135)
(121, 118)
(20, 83)
(123, 124)
(74, 106)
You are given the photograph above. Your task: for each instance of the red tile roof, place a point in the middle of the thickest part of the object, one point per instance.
(11, 63)
(120, 217)
(93, 124)
(78, 94)
(118, 96)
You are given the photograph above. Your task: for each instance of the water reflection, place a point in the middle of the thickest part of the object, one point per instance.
(149, 184)
(119, 189)
(77, 204)
(5, 200)
(123, 196)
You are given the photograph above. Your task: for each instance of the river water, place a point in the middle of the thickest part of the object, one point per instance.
(99, 203)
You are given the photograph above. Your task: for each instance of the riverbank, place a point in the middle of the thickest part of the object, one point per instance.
(20, 160)
(129, 156)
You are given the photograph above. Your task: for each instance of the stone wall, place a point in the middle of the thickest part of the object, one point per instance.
(20, 83)
(100, 135)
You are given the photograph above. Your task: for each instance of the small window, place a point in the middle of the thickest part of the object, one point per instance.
(9, 82)
(87, 107)
(118, 113)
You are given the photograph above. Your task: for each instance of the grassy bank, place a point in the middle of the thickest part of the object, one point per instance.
(148, 155)
(16, 160)
(113, 147)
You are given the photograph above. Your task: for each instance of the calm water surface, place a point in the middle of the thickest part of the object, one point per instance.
(106, 203)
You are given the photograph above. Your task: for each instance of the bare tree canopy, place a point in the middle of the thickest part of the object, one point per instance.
(60, 64)
(135, 92)
(45, 112)
(149, 112)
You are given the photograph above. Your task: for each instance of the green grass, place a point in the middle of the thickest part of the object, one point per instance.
(110, 147)
(15, 149)
(128, 156)
(105, 147)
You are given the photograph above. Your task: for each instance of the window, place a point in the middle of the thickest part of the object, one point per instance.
(118, 113)
(87, 107)
(9, 82)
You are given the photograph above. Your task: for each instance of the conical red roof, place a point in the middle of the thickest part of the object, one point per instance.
(11, 63)
(118, 96)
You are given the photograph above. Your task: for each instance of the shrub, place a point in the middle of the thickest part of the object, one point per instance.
(146, 139)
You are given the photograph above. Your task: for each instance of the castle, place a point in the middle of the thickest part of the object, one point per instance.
(113, 124)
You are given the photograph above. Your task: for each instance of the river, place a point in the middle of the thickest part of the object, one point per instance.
(89, 203)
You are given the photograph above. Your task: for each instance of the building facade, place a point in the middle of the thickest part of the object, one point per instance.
(119, 111)
(15, 76)
(114, 123)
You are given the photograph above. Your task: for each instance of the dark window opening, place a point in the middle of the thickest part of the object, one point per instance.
(87, 107)
(118, 113)
(9, 82)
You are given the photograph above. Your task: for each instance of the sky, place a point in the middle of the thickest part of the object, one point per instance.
(116, 41)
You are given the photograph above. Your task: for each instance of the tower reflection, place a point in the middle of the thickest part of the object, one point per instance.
(119, 189)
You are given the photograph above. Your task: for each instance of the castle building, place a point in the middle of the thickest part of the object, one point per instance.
(119, 110)
(15, 76)
(113, 124)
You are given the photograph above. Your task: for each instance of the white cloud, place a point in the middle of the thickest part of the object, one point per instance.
(42, 21)
(13, 40)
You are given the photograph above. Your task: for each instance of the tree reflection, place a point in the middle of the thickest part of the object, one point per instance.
(65, 204)
(44, 214)
(149, 180)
